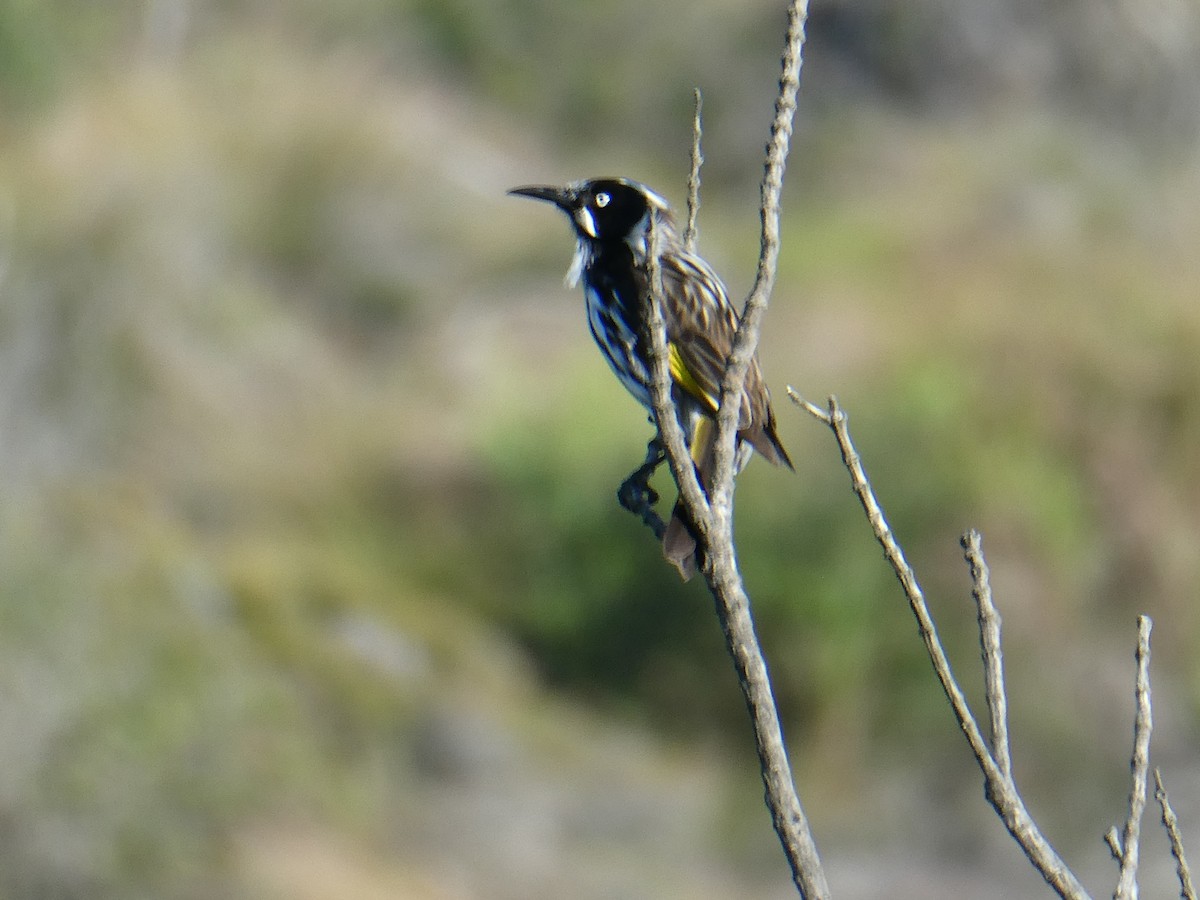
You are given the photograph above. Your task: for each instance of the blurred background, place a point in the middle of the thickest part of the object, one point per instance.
(313, 580)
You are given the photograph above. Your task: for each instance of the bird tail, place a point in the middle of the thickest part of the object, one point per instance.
(765, 440)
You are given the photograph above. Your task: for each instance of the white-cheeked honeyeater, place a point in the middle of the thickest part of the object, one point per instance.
(611, 218)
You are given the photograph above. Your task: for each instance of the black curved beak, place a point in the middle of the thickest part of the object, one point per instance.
(560, 197)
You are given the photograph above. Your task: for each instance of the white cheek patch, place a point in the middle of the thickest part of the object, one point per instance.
(583, 218)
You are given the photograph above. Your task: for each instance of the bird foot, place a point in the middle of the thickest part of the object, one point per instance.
(635, 493)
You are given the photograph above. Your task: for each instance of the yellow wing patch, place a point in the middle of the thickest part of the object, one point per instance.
(684, 378)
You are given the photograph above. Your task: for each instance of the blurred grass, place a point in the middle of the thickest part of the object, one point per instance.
(308, 461)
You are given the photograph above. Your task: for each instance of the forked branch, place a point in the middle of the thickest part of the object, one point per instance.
(993, 759)
(711, 516)
(711, 519)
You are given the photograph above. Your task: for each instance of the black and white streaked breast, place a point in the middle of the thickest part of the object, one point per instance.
(614, 312)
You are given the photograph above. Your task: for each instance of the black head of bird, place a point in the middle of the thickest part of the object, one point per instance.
(601, 209)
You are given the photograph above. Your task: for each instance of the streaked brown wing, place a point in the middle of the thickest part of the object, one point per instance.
(702, 322)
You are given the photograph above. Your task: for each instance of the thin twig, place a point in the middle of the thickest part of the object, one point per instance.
(1127, 887)
(993, 654)
(809, 407)
(908, 581)
(1187, 890)
(691, 233)
(1002, 792)
(635, 493)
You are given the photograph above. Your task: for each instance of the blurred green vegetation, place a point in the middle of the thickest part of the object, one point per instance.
(308, 533)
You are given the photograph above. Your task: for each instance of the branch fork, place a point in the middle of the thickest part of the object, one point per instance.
(712, 515)
(994, 755)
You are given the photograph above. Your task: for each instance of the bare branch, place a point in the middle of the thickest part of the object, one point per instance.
(635, 493)
(733, 610)
(691, 232)
(812, 409)
(1187, 890)
(787, 814)
(1127, 887)
(715, 541)
(746, 341)
(1002, 792)
(993, 655)
(908, 580)
(670, 432)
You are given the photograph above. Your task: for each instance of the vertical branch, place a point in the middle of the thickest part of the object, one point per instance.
(1187, 889)
(733, 610)
(691, 232)
(666, 420)
(1127, 888)
(787, 813)
(993, 655)
(746, 341)
(715, 542)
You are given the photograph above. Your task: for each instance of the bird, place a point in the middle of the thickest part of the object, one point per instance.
(611, 218)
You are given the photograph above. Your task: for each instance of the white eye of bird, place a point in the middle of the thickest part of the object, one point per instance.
(602, 199)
